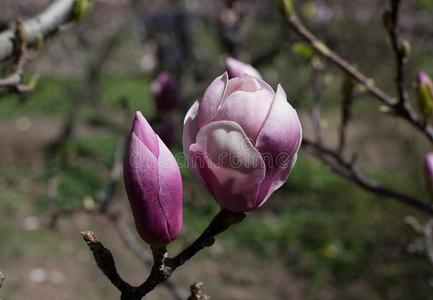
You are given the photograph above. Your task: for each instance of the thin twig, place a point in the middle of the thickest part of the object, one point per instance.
(317, 67)
(163, 267)
(13, 81)
(426, 230)
(402, 110)
(105, 261)
(391, 24)
(197, 292)
(346, 169)
(2, 279)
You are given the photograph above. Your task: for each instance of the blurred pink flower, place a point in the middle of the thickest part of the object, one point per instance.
(428, 164)
(241, 141)
(165, 92)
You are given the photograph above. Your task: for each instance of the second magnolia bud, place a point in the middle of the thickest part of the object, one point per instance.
(154, 185)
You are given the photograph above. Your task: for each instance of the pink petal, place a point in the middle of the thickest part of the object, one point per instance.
(246, 83)
(278, 142)
(190, 130)
(142, 185)
(211, 100)
(144, 132)
(232, 168)
(170, 190)
(248, 109)
(237, 68)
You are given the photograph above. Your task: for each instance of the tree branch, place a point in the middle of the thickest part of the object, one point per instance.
(197, 292)
(162, 267)
(317, 67)
(41, 26)
(426, 230)
(402, 109)
(2, 278)
(346, 169)
(401, 58)
(105, 261)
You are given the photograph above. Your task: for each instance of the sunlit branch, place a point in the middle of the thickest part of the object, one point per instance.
(41, 26)
(17, 40)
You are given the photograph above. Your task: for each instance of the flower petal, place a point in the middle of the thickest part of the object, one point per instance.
(190, 130)
(144, 132)
(248, 109)
(228, 162)
(237, 68)
(278, 142)
(170, 190)
(211, 100)
(142, 185)
(246, 83)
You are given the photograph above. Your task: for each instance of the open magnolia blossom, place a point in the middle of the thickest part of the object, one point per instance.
(237, 68)
(153, 184)
(241, 140)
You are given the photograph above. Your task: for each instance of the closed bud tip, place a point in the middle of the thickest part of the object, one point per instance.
(424, 89)
(81, 7)
(288, 7)
(406, 47)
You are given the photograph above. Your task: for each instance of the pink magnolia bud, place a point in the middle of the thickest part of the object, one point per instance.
(236, 68)
(165, 92)
(241, 141)
(429, 171)
(154, 185)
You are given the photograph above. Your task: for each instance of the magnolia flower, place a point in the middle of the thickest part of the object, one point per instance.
(165, 92)
(153, 184)
(425, 93)
(236, 68)
(241, 141)
(428, 164)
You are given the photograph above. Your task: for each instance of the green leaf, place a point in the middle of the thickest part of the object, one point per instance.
(303, 49)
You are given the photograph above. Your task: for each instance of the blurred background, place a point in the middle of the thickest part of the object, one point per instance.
(319, 237)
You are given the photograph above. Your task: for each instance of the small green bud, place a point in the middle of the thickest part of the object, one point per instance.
(288, 7)
(81, 7)
(406, 48)
(425, 93)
